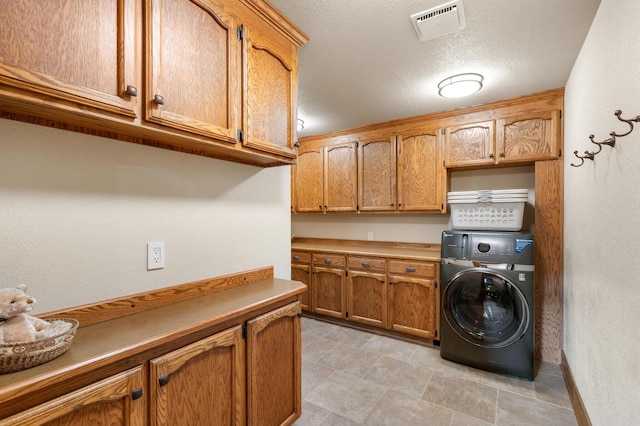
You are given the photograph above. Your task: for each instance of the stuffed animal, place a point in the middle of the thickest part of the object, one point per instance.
(15, 325)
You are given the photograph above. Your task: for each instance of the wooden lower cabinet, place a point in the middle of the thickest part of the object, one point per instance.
(200, 384)
(274, 361)
(328, 291)
(367, 298)
(301, 271)
(118, 400)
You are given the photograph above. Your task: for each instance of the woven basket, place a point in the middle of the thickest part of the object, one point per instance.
(23, 355)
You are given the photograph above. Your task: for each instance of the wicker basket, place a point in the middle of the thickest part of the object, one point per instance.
(23, 355)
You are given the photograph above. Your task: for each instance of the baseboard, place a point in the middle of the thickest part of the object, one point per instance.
(576, 400)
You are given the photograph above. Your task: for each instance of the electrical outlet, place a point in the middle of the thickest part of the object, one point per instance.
(370, 236)
(155, 255)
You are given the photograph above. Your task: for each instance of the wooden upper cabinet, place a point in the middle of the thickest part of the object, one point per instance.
(421, 177)
(529, 137)
(469, 144)
(377, 175)
(340, 178)
(191, 57)
(202, 383)
(118, 400)
(270, 81)
(82, 51)
(309, 175)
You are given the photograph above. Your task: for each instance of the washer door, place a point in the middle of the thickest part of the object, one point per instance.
(485, 308)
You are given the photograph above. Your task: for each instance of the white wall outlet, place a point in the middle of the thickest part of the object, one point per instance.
(370, 235)
(155, 255)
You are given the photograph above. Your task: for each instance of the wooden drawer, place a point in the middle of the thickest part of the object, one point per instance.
(418, 268)
(300, 256)
(367, 263)
(329, 260)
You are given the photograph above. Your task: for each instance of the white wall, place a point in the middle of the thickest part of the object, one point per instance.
(77, 211)
(414, 228)
(602, 219)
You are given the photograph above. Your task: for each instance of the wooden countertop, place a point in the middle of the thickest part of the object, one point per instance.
(412, 251)
(126, 338)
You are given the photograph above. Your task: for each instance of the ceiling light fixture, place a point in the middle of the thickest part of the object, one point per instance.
(299, 124)
(460, 85)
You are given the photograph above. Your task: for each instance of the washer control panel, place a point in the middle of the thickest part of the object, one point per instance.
(498, 247)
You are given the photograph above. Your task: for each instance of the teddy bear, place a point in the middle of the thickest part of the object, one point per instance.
(15, 325)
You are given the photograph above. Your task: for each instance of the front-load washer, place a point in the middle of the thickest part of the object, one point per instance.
(487, 301)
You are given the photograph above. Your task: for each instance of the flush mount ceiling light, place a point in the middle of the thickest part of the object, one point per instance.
(299, 124)
(460, 85)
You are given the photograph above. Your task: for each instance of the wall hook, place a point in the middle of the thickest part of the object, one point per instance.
(609, 142)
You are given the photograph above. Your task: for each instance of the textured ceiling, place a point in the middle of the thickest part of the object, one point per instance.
(364, 63)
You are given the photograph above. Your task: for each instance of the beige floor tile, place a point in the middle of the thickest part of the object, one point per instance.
(390, 347)
(523, 387)
(430, 358)
(398, 409)
(465, 396)
(515, 409)
(551, 388)
(312, 375)
(312, 415)
(349, 336)
(408, 379)
(349, 359)
(317, 328)
(314, 348)
(347, 395)
(460, 419)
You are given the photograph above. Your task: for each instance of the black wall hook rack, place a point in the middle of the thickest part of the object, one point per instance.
(609, 142)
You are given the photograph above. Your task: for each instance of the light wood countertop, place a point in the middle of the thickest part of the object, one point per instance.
(427, 252)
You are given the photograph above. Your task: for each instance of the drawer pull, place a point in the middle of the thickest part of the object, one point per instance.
(327, 260)
(366, 264)
(296, 257)
(410, 269)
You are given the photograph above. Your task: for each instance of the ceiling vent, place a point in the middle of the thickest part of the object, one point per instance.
(445, 19)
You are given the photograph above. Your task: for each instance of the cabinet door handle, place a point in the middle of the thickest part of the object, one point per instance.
(327, 260)
(296, 257)
(136, 394)
(158, 99)
(163, 380)
(502, 154)
(490, 155)
(410, 269)
(132, 91)
(365, 264)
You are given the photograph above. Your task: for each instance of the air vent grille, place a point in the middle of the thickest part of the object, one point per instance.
(438, 21)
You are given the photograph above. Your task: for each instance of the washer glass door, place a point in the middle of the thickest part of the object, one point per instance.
(485, 308)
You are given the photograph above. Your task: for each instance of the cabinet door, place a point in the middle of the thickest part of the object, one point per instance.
(421, 176)
(270, 79)
(274, 393)
(341, 178)
(328, 292)
(309, 195)
(302, 273)
(191, 60)
(413, 306)
(82, 51)
(377, 175)
(531, 137)
(367, 298)
(200, 384)
(118, 400)
(469, 144)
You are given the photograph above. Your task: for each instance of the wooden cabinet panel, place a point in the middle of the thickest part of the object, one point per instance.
(529, 137)
(82, 51)
(191, 58)
(329, 260)
(270, 80)
(274, 360)
(413, 306)
(300, 256)
(367, 298)
(328, 292)
(408, 267)
(117, 400)
(340, 178)
(373, 264)
(302, 273)
(377, 175)
(421, 177)
(469, 144)
(202, 383)
(309, 195)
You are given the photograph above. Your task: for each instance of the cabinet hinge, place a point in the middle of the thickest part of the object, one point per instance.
(299, 314)
(559, 152)
(347, 314)
(357, 207)
(346, 273)
(240, 135)
(244, 331)
(436, 333)
(442, 132)
(240, 33)
(560, 114)
(436, 284)
(444, 164)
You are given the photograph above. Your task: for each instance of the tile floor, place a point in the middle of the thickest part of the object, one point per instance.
(352, 377)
